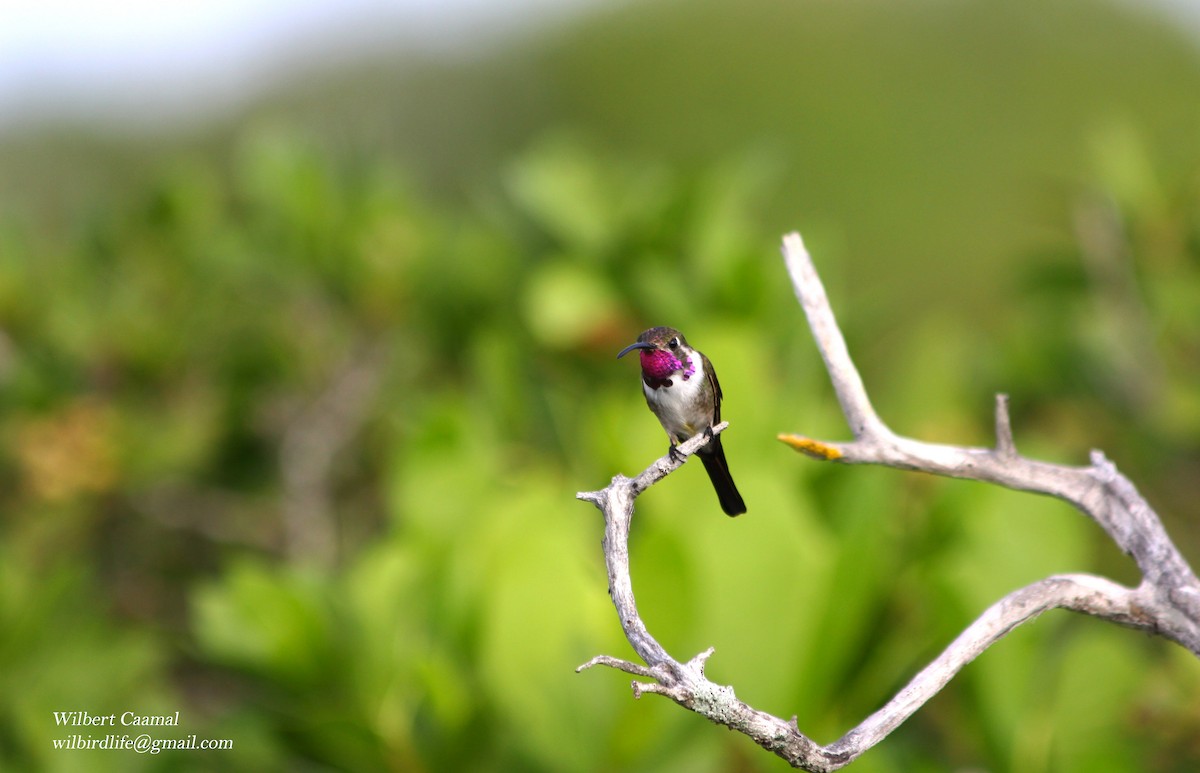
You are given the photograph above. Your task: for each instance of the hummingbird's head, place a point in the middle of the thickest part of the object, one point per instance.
(663, 352)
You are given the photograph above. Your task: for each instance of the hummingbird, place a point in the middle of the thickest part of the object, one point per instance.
(682, 390)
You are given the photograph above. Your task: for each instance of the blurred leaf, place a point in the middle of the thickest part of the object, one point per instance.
(583, 204)
(566, 305)
(544, 613)
(1088, 729)
(98, 667)
(1123, 166)
(267, 623)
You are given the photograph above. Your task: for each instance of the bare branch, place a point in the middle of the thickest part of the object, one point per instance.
(1167, 602)
(1098, 490)
(851, 392)
(617, 663)
(616, 502)
(1077, 592)
(310, 446)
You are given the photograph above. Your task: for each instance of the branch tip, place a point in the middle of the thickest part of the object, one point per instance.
(1004, 437)
(617, 663)
(701, 660)
(793, 244)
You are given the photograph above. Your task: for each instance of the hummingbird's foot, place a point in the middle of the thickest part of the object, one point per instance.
(708, 433)
(675, 454)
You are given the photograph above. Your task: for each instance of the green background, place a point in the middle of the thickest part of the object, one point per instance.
(296, 403)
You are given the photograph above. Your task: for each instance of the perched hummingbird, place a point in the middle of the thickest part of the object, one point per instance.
(681, 389)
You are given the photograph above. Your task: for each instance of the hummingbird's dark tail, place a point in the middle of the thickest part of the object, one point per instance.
(713, 456)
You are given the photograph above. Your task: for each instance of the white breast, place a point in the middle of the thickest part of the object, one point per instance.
(677, 406)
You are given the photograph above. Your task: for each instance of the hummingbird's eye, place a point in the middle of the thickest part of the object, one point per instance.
(673, 343)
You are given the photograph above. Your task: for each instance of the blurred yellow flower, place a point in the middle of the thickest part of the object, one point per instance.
(69, 452)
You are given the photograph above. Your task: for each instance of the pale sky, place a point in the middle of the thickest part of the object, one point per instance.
(158, 61)
(181, 57)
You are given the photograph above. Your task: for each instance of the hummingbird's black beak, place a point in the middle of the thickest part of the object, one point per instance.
(631, 347)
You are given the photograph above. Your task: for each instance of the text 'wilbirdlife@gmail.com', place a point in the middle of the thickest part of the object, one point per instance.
(135, 738)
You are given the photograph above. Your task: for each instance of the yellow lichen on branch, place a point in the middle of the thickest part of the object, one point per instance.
(810, 447)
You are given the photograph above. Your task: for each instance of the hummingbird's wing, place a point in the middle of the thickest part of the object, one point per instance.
(711, 375)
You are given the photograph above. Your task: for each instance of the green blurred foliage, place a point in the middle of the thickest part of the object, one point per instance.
(292, 448)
